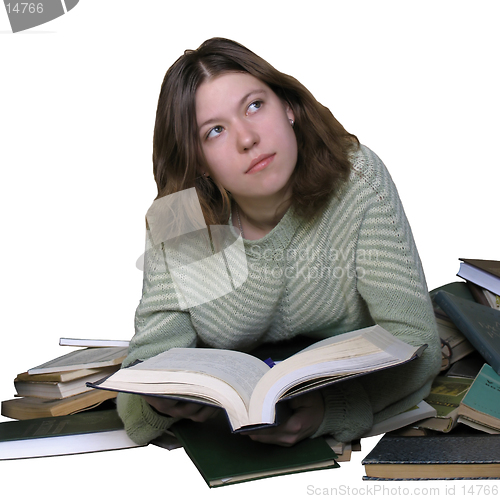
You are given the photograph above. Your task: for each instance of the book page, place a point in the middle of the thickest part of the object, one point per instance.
(86, 358)
(347, 354)
(240, 370)
(367, 338)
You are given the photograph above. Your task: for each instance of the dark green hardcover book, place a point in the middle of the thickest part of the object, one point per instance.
(459, 289)
(460, 455)
(88, 431)
(480, 324)
(225, 458)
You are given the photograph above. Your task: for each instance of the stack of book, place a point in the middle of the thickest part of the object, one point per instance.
(88, 431)
(463, 439)
(483, 279)
(455, 432)
(251, 390)
(59, 387)
(481, 285)
(57, 413)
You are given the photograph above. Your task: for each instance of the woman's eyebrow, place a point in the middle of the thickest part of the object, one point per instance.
(250, 94)
(240, 103)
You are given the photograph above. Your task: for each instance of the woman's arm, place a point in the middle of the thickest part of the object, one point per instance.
(392, 284)
(159, 326)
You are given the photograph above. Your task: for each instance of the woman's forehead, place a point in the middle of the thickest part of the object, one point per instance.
(226, 90)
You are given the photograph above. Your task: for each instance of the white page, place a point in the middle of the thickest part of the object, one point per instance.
(241, 371)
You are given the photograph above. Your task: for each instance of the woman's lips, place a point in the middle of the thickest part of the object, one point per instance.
(260, 163)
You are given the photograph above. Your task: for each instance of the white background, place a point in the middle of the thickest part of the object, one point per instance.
(416, 81)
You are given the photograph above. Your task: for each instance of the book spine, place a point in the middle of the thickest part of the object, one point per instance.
(467, 329)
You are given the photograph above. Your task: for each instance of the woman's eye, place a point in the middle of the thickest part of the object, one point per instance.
(214, 132)
(254, 106)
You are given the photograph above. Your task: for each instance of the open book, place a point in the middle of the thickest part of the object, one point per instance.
(247, 387)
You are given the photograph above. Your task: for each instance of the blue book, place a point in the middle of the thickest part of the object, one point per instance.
(480, 408)
(478, 323)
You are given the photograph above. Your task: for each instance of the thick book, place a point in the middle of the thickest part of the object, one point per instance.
(90, 431)
(59, 377)
(480, 324)
(86, 358)
(484, 273)
(32, 407)
(58, 389)
(480, 408)
(445, 396)
(458, 288)
(443, 456)
(225, 458)
(249, 388)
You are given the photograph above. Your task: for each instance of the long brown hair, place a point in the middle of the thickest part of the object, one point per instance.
(323, 144)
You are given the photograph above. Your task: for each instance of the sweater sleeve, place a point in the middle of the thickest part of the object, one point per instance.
(391, 282)
(160, 324)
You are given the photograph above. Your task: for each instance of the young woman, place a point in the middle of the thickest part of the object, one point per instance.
(328, 246)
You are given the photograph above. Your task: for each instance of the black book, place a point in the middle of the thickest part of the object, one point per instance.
(457, 455)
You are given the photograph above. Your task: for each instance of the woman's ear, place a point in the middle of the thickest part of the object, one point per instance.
(290, 114)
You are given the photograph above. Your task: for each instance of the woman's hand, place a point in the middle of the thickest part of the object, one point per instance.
(178, 409)
(307, 412)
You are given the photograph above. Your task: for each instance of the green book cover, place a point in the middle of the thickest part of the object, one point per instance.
(484, 393)
(225, 458)
(74, 424)
(459, 289)
(447, 393)
(445, 397)
(89, 431)
(479, 324)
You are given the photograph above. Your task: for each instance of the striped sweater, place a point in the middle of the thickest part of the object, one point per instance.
(352, 266)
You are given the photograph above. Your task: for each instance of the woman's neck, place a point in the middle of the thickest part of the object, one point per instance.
(256, 219)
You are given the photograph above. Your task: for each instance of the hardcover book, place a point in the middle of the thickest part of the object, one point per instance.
(480, 407)
(31, 387)
(225, 458)
(90, 431)
(457, 288)
(484, 273)
(86, 358)
(32, 407)
(440, 456)
(445, 396)
(249, 388)
(59, 377)
(455, 345)
(480, 324)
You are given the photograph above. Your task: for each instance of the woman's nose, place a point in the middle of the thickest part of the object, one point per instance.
(247, 137)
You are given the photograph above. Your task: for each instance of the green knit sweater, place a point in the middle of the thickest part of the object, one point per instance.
(354, 265)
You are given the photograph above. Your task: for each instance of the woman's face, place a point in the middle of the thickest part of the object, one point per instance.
(246, 136)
